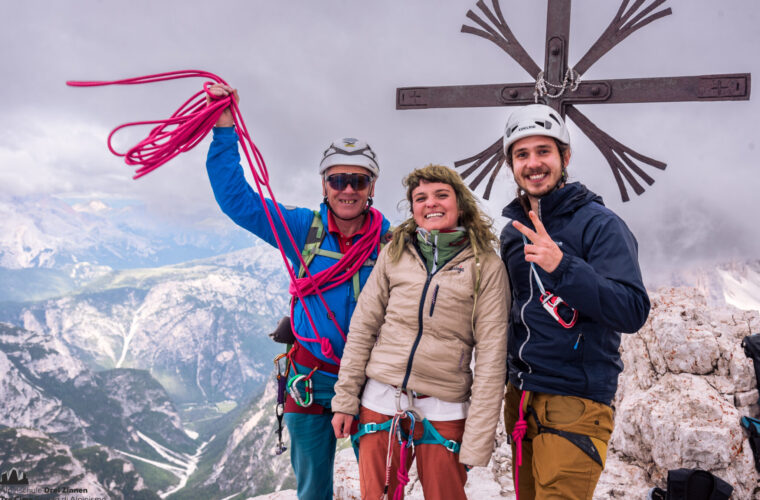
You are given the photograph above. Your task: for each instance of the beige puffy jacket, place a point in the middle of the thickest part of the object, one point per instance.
(416, 329)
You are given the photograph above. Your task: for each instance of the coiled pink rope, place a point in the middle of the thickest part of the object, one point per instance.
(185, 129)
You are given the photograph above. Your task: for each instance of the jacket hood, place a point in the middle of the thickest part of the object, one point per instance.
(560, 201)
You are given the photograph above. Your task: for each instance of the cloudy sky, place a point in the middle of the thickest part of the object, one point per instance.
(309, 72)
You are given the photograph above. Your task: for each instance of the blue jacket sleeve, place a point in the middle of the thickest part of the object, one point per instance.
(607, 286)
(242, 204)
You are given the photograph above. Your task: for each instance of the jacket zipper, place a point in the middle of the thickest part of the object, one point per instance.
(420, 314)
(419, 333)
(522, 317)
(432, 302)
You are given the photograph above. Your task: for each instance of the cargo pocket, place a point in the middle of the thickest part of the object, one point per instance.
(561, 411)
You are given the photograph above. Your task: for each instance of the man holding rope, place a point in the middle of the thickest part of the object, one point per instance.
(344, 222)
(576, 284)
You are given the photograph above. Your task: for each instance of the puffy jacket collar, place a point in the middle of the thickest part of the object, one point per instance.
(559, 202)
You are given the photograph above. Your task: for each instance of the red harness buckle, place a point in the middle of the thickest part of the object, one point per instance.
(551, 303)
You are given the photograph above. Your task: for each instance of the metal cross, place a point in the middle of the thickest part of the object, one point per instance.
(559, 86)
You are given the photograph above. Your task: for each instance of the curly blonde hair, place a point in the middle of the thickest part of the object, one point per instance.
(474, 220)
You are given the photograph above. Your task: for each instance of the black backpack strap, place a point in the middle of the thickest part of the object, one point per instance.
(580, 440)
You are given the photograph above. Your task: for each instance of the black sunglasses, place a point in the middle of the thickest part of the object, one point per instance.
(358, 182)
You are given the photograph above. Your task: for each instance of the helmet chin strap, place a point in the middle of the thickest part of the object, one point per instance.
(362, 214)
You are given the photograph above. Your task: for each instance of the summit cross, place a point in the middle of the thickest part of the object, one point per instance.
(559, 86)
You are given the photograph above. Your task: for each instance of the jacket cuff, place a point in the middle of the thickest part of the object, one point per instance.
(224, 133)
(340, 405)
(473, 459)
(556, 275)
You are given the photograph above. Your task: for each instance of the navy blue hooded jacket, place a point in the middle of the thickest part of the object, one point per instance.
(598, 275)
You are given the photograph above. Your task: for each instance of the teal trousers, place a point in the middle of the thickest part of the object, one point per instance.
(312, 453)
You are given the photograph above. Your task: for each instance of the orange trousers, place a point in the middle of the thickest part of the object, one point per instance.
(439, 470)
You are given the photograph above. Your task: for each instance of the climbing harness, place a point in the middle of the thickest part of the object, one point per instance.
(282, 375)
(406, 440)
(571, 81)
(551, 303)
(582, 441)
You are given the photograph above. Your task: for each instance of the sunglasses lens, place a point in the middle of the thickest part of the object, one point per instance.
(339, 182)
(362, 181)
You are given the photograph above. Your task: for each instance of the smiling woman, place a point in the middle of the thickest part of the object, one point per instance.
(437, 295)
(434, 205)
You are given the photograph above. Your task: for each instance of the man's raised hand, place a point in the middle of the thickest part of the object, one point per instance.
(542, 250)
(221, 90)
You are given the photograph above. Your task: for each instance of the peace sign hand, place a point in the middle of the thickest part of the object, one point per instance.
(543, 251)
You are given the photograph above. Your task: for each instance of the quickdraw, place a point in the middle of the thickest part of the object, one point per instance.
(292, 388)
(282, 377)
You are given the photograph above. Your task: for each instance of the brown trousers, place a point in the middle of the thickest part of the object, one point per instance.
(439, 470)
(553, 467)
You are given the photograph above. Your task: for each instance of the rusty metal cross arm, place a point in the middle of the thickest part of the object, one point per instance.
(622, 25)
(728, 87)
(501, 35)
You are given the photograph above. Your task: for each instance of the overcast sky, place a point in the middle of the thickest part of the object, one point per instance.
(312, 71)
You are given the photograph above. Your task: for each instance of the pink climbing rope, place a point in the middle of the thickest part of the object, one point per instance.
(521, 428)
(334, 275)
(402, 474)
(185, 129)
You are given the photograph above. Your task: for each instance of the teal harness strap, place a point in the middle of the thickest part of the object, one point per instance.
(432, 436)
(429, 436)
(370, 428)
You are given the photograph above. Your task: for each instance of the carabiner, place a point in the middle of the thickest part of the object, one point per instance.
(551, 303)
(296, 395)
(281, 372)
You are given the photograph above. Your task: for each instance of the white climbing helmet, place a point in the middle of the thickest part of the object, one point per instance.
(350, 151)
(535, 119)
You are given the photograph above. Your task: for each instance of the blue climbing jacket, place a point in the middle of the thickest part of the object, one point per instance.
(598, 275)
(241, 203)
